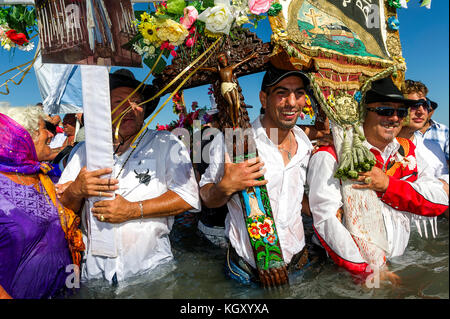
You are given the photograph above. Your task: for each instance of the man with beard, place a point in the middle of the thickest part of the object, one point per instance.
(152, 182)
(283, 155)
(401, 178)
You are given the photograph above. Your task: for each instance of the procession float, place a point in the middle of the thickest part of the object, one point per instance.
(343, 45)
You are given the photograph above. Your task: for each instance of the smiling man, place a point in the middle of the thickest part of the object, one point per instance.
(401, 178)
(284, 151)
(420, 116)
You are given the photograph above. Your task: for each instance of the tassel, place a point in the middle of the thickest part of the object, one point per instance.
(418, 227)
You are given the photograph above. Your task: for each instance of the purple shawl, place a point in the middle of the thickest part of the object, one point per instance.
(17, 151)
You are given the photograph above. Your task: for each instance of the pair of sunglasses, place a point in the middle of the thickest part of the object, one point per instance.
(426, 104)
(402, 112)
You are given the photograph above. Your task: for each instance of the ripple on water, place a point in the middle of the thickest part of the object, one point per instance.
(198, 273)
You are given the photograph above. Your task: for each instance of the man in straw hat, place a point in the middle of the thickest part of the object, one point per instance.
(400, 178)
(151, 183)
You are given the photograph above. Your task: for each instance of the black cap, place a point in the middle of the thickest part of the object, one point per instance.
(384, 90)
(125, 78)
(434, 105)
(274, 75)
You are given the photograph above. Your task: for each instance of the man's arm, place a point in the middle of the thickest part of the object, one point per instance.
(121, 210)
(425, 196)
(325, 201)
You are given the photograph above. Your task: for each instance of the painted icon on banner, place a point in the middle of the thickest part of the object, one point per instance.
(94, 32)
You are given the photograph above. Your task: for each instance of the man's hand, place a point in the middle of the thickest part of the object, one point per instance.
(116, 211)
(374, 179)
(240, 176)
(89, 184)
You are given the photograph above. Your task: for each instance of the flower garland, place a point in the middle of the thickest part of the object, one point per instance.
(174, 23)
(15, 23)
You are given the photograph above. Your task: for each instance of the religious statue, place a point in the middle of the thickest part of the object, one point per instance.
(228, 85)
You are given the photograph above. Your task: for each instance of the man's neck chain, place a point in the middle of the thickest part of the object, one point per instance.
(131, 153)
(287, 151)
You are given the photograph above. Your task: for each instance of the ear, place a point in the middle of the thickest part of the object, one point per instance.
(263, 99)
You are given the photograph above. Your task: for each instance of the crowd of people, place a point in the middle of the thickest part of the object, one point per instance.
(51, 206)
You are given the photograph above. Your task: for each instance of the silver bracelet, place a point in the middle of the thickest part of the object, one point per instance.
(141, 206)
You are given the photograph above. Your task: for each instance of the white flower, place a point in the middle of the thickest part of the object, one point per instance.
(28, 47)
(138, 49)
(409, 161)
(219, 18)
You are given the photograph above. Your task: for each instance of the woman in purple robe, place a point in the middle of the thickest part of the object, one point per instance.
(38, 237)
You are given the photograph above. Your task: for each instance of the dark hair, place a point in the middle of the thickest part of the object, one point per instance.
(50, 127)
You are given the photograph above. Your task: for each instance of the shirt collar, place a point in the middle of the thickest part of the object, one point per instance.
(304, 144)
(389, 150)
(260, 130)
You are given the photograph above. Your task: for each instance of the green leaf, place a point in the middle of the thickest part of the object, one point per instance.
(137, 14)
(260, 255)
(208, 3)
(151, 61)
(166, 53)
(176, 6)
(275, 257)
(275, 248)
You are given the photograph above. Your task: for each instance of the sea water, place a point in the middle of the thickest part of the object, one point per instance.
(197, 273)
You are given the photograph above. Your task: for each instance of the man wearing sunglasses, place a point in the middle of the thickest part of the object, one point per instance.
(419, 123)
(401, 180)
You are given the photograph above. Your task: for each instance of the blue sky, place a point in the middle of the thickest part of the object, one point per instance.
(424, 36)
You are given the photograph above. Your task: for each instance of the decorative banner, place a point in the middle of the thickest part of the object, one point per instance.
(93, 32)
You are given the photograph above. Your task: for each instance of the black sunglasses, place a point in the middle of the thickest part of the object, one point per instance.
(389, 111)
(426, 104)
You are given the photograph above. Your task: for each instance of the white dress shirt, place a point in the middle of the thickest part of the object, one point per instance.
(285, 188)
(142, 244)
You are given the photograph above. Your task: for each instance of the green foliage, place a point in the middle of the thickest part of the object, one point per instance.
(161, 63)
(176, 6)
(19, 18)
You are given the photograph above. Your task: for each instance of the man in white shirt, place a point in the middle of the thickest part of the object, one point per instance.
(284, 151)
(152, 183)
(418, 118)
(401, 178)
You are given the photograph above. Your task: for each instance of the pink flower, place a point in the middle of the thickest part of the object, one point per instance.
(259, 6)
(173, 53)
(190, 42)
(167, 45)
(190, 15)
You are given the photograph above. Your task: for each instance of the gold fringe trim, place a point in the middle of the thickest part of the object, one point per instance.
(347, 85)
(327, 64)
